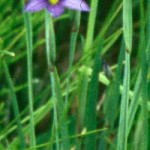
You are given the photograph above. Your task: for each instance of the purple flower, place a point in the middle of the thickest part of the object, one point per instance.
(56, 7)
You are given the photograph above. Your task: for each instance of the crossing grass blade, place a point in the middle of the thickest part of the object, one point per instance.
(15, 106)
(114, 11)
(73, 42)
(112, 96)
(134, 102)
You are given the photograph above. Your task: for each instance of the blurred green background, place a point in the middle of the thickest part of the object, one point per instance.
(94, 95)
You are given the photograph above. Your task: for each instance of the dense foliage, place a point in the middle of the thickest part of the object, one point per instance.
(80, 81)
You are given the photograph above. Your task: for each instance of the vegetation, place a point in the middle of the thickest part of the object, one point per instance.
(80, 81)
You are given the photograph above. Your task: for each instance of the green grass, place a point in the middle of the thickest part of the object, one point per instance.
(77, 82)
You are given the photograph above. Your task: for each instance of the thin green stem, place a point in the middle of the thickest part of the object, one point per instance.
(28, 26)
(91, 25)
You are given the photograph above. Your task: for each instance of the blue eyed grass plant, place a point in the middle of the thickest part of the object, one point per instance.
(59, 108)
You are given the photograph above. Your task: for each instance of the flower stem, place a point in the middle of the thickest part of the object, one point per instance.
(28, 26)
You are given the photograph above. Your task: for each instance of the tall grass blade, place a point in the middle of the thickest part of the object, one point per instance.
(137, 89)
(127, 32)
(141, 135)
(92, 97)
(122, 131)
(49, 53)
(29, 42)
(148, 21)
(62, 114)
(134, 102)
(73, 41)
(91, 25)
(127, 23)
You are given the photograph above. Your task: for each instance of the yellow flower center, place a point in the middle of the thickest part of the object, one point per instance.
(53, 2)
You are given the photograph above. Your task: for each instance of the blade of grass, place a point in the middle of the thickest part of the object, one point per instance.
(82, 94)
(142, 127)
(122, 131)
(74, 35)
(15, 106)
(82, 89)
(112, 15)
(49, 54)
(29, 42)
(127, 32)
(71, 137)
(90, 118)
(137, 90)
(62, 114)
(91, 25)
(52, 39)
(127, 23)
(148, 27)
(111, 42)
(134, 102)
(141, 135)
(42, 110)
(148, 21)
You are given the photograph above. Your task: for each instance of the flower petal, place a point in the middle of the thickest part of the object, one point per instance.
(36, 5)
(55, 10)
(76, 4)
